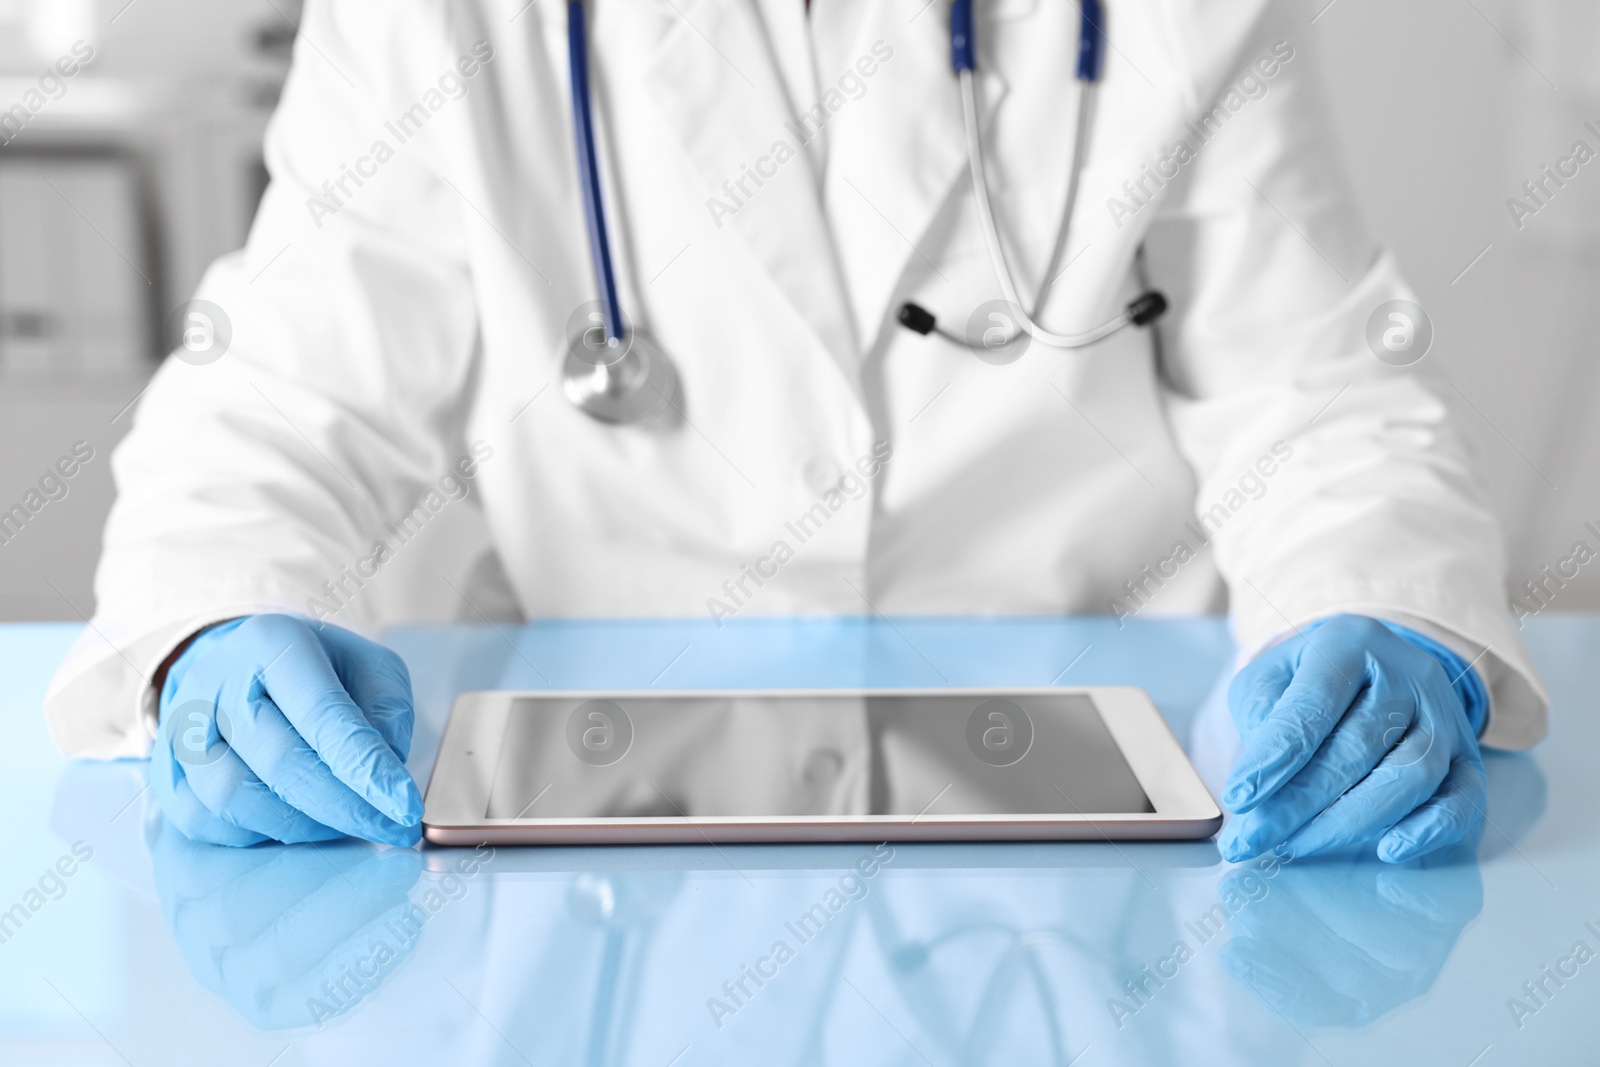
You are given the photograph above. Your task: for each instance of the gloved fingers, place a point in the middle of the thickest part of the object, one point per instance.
(1326, 682)
(183, 809)
(377, 680)
(1446, 818)
(1275, 820)
(302, 682)
(199, 823)
(1351, 752)
(279, 756)
(233, 791)
(1358, 743)
(1258, 686)
(1397, 786)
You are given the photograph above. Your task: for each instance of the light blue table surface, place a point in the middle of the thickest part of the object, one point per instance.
(155, 951)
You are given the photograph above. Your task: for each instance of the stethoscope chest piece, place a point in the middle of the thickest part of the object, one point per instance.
(611, 371)
(621, 382)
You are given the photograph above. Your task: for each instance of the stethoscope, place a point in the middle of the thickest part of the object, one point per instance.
(1143, 309)
(618, 374)
(615, 372)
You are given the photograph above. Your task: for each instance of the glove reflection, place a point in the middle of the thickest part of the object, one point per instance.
(289, 935)
(1341, 940)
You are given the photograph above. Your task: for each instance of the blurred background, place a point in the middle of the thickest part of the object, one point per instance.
(115, 195)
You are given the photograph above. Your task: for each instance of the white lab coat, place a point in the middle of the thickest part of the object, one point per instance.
(373, 345)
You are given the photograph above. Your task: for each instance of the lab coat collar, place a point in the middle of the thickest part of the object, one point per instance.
(720, 90)
(836, 246)
(895, 153)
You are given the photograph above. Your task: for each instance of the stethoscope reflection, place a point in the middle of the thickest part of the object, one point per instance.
(1019, 963)
(1345, 939)
(626, 910)
(1029, 992)
(289, 935)
(978, 991)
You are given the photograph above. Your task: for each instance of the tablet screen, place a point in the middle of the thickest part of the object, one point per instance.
(809, 755)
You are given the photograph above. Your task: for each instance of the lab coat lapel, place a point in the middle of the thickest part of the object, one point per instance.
(720, 89)
(898, 153)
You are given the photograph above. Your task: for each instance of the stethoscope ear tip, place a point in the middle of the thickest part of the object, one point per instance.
(916, 318)
(1147, 308)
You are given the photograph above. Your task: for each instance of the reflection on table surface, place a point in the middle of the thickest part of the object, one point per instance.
(159, 950)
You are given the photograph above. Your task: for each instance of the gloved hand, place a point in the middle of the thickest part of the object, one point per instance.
(277, 728)
(1353, 732)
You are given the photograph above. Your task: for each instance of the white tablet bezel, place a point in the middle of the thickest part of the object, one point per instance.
(464, 771)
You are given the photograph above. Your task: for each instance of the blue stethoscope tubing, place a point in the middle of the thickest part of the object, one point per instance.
(623, 376)
(594, 209)
(634, 380)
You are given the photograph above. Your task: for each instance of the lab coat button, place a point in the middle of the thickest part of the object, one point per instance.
(821, 473)
(822, 766)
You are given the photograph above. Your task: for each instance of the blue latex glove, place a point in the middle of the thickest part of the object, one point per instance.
(1354, 731)
(277, 728)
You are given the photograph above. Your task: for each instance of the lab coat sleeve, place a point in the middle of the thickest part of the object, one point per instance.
(1329, 481)
(269, 478)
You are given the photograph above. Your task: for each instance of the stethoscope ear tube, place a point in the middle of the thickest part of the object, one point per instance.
(1091, 41)
(1144, 309)
(963, 45)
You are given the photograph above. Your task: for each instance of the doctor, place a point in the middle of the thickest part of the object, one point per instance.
(779, 183)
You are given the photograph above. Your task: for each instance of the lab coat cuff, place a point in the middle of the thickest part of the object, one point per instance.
(1464, 679)
(1503, 684)
(112, 665)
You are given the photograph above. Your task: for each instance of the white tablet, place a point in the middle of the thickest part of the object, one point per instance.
(812, 765)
